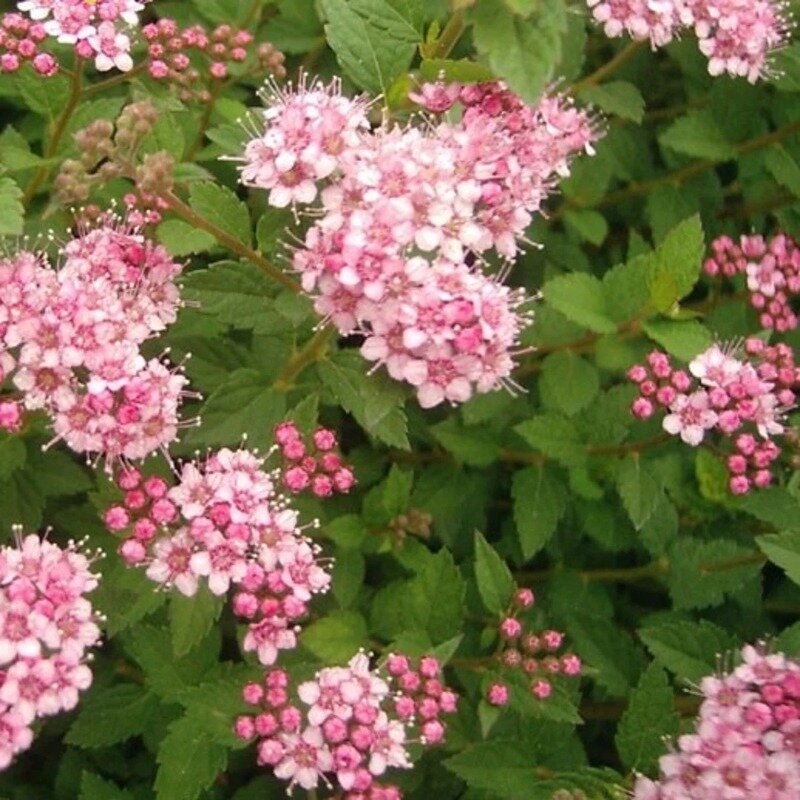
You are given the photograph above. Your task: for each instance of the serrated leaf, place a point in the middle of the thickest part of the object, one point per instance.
(676, 264)
(223, 208)
(781, 166)
(245, 403)
(113, 714)
(472, 445)
(11, 211)
(375, 402)
(461, 71)
(555, 436)
(523, 51)
(639, 490)
(580, 298)
(703, 572)
(12, 455)
(683, 339)
(568, 383)
(93, 787)
(620, 98)
(648, 719)
(610, 650)
(436, 597)
(373, 41)
(539, 503)
(689, 649)
(182, 239)
(495, 584)
(699, 136)
(773, 505)
(188, 761)
(783, 549)
(126, 596)
(191, 618)
(589, 225)
(336, 638)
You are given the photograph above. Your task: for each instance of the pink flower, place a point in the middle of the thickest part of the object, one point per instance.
(691, 416)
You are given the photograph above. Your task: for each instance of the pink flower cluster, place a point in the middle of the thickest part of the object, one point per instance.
(356, 725)
(316, 467)
(224, 523)
(736, 36)
(71, 339)
(743, 400)
(393, 254)
(20, 41)
(771, 270)
(534, 654)
(46, 627)
(170, 50)
(746, 741)
(96, 28)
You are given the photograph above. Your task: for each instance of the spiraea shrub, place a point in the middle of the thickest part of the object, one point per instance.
(398, 399)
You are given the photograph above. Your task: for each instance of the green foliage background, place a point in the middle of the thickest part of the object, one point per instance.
(632, 543)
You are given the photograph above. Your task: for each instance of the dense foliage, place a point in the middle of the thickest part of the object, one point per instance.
(419, 421)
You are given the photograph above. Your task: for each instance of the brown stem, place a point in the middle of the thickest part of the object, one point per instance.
(231, 242)
(600, 74)
(205, 119)
(681, 175)
(759, 206)
(76, 88)
(116, 80)
(613, 710)
(313, 350)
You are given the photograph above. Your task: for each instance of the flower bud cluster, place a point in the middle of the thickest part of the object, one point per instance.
(406, 214)
(746, 741)
(357, 723)
(20, 42)
(534, 655)
(47, 625)
(744, 399)
(314, 465)
(70, 340)
(736, 38)
(193, 59)
(106, 149)
(223, 523)
(772, 272)
(97, 29)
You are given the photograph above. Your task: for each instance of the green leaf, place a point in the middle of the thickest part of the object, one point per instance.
(126, 596)
(348, 576)
(620, 98)
(626, 288)
(12, 455)
(476, 446)
(648, 719)
(223, 208)
(244, 403)
(783, 549)
(607, 648)
(789, 641)
(112, 714)
(522, 51)
(702, 573)
(191, 618)
(555, 436)
(373, 40)
(681, 338)
(676, 264)
(45, 97)
(781, 166)
(580, 298)
(773, 505)
(374, 400)
(336, 638)
(461, 71)
(639, 490)
(589, 225)
(699, 136)
(12, 213)
(296, 27)
(495, 584)
(22, 502)
(93, 787)
(56, 473)
(182, 239)
(540, 500)
(568, 383)
(396, 491)
(689, 649)
(188, 761)
(271, 229)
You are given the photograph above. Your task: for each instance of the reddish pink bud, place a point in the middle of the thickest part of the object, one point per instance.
(324, 439)
(524, 598)
(541, 689)
(497, 694)
(116, 519)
